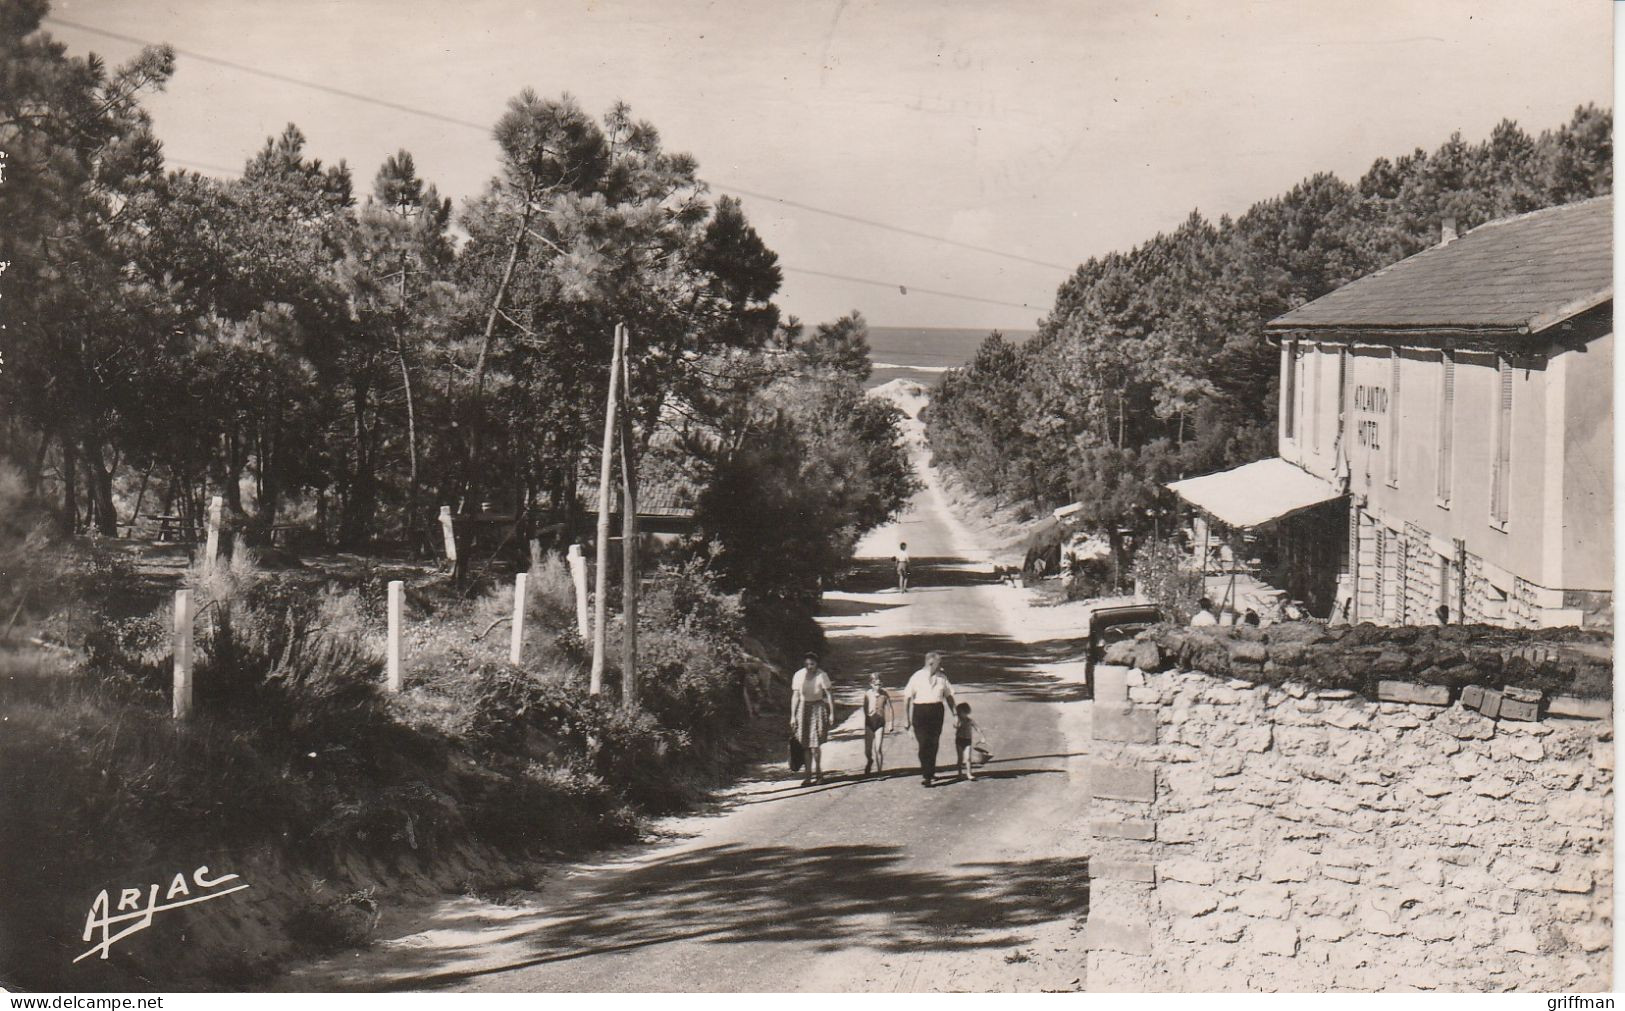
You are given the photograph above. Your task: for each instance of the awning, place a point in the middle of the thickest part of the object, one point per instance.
(1255, 493)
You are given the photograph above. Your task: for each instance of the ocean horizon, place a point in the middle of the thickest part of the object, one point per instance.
(923, 354)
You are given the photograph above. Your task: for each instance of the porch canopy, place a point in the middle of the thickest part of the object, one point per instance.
(1255, 493)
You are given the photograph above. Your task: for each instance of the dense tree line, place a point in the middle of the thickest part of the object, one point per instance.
(1152, 364)
(343, 360)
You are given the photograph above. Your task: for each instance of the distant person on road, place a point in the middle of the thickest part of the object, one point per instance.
(1204, 614)
(902, 567)
(969, 743)
(812, 710)
(1251, 618)
(876, 722)
(926, 703)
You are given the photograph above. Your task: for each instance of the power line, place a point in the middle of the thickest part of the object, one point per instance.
(484, 128)
(907, 289)
(895, 228)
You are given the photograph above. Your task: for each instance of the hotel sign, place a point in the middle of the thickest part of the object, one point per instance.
(1370, 400)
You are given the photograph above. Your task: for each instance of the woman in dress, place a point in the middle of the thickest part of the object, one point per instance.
(812, 710)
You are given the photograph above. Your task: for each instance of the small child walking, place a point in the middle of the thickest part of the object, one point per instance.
(876, 720)
(968, 742)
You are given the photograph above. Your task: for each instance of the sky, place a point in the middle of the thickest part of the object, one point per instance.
(1043, 130)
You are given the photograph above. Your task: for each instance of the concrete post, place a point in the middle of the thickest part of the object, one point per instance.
(578, 575)
(517, 648)
(211, 551)
(392, 652)
(451, 535)
(182, 648)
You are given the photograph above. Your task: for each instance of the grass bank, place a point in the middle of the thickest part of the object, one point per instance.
(333, 799)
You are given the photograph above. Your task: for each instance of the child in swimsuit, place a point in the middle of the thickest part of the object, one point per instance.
(968, 742)
(876, 717)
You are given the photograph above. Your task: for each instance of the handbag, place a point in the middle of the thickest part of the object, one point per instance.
(798, 755)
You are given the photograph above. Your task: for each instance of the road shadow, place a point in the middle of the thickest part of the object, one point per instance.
(832, 608)
(973, 661)
(730, 894)
(872, 575)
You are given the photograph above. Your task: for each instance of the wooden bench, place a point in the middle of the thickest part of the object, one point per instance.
(176, 529)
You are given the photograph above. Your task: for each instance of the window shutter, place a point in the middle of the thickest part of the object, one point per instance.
(1393, 419)
(1289, 392)
(1501, 485)
(1315, 412)
(1447, 434)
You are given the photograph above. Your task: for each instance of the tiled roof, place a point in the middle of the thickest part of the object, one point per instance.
(653, 500)
(1522, 273)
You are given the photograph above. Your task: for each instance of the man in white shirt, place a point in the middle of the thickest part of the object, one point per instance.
(902, 567)
(1204, 614)
(927, 701)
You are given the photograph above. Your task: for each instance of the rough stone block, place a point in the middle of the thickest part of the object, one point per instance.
(1413, 694)
(1505, 746)
(1196, 872)
(1435, 927)
(1602, 756)
(1348, 717)
(1472, 696)
(1328, 928)
(1265, 900)
(1515, 709)
(1274, 938)
(1124, 722)
(1492, 786)
(1111, 683)
(1123, 782)
(1574, 708)
(1126, 829)
(1122, 870)
(1288, 863)
(1256, 739)
(1576, 880)
(1521, 939)
(1182, 900)
(1115, 935)
(1490, 705)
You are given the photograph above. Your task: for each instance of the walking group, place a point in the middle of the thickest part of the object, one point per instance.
(927, 702)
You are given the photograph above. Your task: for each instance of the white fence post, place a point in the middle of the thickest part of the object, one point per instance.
(212, 550)
(392, 651)
(450, 533)
(183, 654)
(578, 575)
(517, 648)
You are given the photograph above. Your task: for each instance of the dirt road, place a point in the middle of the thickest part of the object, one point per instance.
(861, 883)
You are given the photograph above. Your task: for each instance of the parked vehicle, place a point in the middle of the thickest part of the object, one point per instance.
(1114, 624)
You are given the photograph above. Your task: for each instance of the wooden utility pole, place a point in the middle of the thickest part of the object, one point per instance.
(478, 422)
(629, 543)
(600, 631)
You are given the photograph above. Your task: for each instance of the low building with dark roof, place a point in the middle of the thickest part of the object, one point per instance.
(1457, 407)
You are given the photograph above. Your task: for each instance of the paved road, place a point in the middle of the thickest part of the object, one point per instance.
(858, 884)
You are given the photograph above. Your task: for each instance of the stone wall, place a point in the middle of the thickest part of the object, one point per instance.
(1251, 837)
